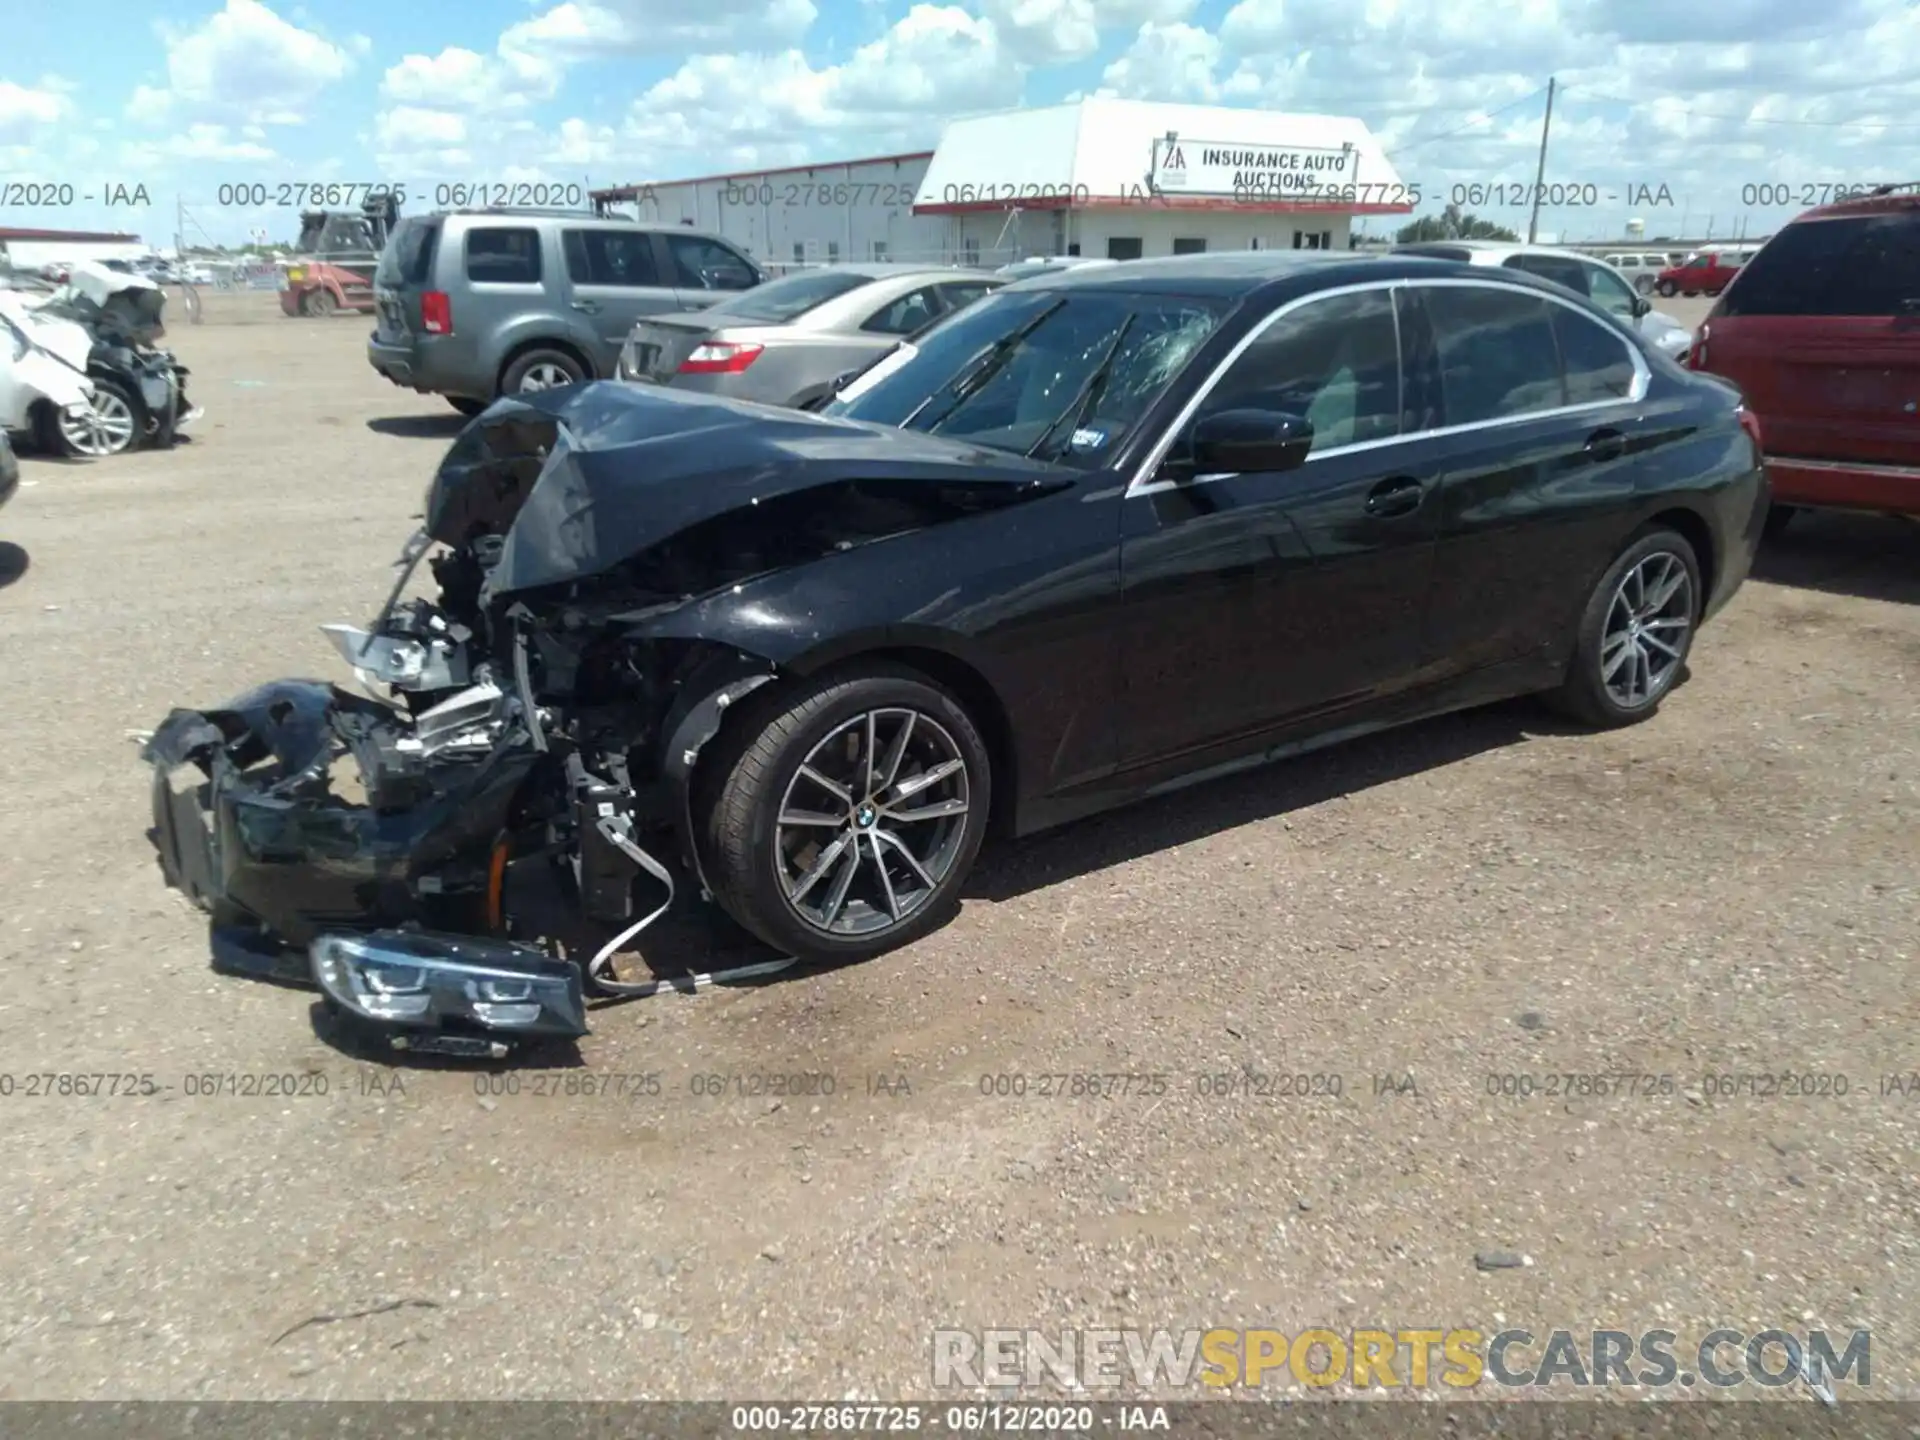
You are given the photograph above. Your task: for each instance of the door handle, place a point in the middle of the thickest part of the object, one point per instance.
(1606, 444)
(1398, 496)
(587, 305)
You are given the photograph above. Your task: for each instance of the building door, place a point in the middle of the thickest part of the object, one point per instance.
(1123, 247)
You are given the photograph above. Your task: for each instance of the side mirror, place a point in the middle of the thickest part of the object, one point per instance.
(1641, 306)
(1249, 441)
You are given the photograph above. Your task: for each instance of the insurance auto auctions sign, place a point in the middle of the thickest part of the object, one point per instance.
(1221, 167)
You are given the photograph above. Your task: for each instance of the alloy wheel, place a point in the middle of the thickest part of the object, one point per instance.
(872, 822)
(544, 376)
(1648, 626)
(105, 427)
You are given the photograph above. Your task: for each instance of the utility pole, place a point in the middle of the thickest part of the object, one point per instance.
(1540, 175)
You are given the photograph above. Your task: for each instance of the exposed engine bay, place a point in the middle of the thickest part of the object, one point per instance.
(544, 711)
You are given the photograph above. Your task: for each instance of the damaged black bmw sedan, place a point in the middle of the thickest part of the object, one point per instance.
(1103, 533)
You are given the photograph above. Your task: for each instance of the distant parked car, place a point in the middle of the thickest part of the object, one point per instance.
(1640, 269)
(1705, 272)
(1579, 273)
(788, 341)
(473, 304)
(1821, 331)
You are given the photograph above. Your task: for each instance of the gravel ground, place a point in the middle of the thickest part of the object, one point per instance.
(1727, 889)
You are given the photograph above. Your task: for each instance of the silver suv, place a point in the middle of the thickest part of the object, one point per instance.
(1578, 272)
(473, 304)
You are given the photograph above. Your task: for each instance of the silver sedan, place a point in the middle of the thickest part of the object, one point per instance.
(788, 341)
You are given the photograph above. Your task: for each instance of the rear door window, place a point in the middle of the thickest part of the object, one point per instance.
(911, 312)
(1864, 265)
(1498, 357)
(1597, 363)
(611, 257)
(408, 257)
(500, 255)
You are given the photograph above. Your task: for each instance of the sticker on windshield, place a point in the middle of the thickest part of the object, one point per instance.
(1088, 439)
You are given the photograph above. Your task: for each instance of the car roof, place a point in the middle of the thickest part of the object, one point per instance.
(1251, 274)
(1492, 252)
(888, 269)
(1887, 200)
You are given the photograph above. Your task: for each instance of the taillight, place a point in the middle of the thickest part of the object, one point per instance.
(720, 359)
(1750, 423)
(436, 313)
(1697, 356)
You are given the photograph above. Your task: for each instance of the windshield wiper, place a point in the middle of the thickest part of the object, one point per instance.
(959, 391)
(1086, 401)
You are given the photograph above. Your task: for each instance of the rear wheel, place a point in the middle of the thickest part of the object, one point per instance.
(1635, 632)
(843, 818)
(321, 304)
(541, 370)
(1668, 289)
(1644, 285)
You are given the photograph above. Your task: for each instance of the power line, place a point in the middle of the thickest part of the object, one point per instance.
(1479, 119)
(1586, 94)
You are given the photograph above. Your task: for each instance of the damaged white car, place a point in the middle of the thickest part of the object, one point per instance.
(43, 369)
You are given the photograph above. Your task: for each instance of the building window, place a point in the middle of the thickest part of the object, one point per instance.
(1192, 245)
(1074, 248)
(972, 252)
(1313, 239)
(799, 252)
(879, 250)
(833, 252)
(1123, 247)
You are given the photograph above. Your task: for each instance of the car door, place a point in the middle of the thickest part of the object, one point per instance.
(1252, 600)
(1538, 440)
(614, 280)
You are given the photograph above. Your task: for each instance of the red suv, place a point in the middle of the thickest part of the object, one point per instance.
(1821, 331)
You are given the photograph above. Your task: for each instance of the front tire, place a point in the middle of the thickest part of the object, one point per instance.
(113, 426)
(845, 815)
(1668, 288)
(1635, 633)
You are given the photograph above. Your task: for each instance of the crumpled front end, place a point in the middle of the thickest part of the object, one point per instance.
(304, 817)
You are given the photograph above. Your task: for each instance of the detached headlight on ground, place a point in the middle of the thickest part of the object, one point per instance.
(418, 980)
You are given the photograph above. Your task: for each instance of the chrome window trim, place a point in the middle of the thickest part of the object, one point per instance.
(1142, 482)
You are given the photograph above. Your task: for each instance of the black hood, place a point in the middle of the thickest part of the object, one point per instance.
(580, 479)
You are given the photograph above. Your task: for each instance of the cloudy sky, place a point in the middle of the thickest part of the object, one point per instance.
(182, 97)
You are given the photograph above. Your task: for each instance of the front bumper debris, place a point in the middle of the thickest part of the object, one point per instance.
(255, 822)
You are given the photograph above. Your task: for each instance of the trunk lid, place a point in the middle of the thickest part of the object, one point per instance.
(660, 344)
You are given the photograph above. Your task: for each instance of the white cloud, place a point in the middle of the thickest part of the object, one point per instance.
(585, 29)
(1167, 62)
(1047, 32)
(722, 112)
(23, 109)
(202, 142)
(243, 63)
